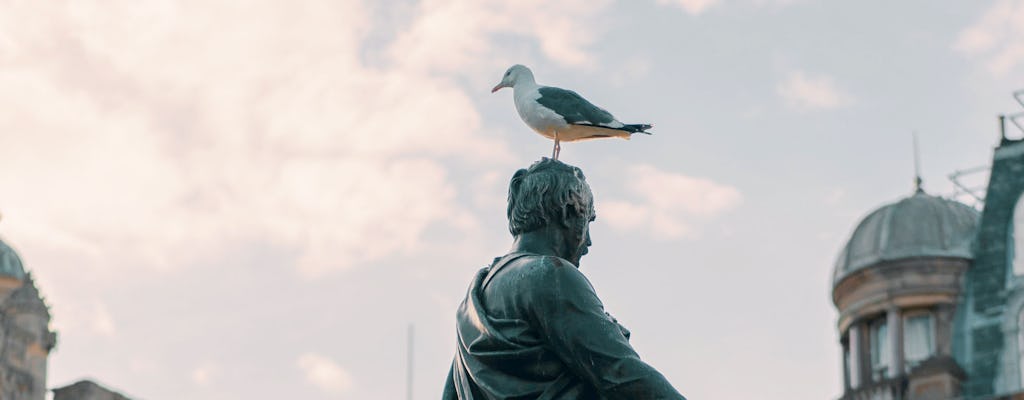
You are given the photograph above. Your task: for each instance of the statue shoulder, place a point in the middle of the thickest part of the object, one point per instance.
(540, 275)
(540, 266)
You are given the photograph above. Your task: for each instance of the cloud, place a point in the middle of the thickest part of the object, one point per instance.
(693, 7)
(623, 214)
(102, 323)
(77, 318)
(628, 71)
(448, 35)
(324, 373)
(667, 204)
(811, 93)
(131, 131)
(205, 373)
(834, 196)
(997, 37)
(776, 3)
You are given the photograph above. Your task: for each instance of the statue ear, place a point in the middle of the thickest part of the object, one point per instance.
(569, 212)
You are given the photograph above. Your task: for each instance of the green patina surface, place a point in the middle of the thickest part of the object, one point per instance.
(917, 226)
(10, 263)
(986, 280)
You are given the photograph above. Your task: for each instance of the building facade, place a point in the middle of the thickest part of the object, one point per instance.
(26, 340)
(25, 335)
(930, 294)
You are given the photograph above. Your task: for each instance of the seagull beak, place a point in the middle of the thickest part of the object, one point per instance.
(498, 87)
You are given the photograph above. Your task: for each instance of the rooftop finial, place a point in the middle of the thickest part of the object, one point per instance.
(917, 167)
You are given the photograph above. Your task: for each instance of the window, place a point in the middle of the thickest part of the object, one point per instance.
(854, 354)
(881, 350)
(847, 368)
(1015, 250)
(918, 339)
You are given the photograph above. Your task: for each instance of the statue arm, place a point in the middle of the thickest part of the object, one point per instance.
(573, 322)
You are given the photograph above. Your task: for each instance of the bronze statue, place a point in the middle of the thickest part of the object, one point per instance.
(531, 325)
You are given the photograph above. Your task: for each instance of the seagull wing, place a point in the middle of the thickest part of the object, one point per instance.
(575, 109)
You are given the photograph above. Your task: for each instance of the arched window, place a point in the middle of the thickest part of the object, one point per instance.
(1015, 250)
(918, 338)
(855, 347)
(881, 350)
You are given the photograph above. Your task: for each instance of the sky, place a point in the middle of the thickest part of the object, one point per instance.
(255, 200)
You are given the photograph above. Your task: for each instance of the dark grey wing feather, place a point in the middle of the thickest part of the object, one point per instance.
(573, 107)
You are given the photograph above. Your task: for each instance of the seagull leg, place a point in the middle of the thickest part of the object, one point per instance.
(557, 149)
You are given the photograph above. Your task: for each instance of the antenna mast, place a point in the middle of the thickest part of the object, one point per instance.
(408, 382)
(917, 167)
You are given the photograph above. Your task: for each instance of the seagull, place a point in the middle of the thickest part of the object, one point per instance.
(560, 114)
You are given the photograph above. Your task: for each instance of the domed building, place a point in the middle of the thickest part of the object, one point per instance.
(896, 284)
(26, 340)
(25, 335)
(930, 294)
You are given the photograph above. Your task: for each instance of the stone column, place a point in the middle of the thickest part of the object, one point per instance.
(895, 322)
(855, 355)
(943, 332)
(844, 357)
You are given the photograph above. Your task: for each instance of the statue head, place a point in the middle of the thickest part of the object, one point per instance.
(552, 197)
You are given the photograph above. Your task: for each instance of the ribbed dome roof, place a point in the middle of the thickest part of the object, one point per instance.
(917, 226)
(10, 263)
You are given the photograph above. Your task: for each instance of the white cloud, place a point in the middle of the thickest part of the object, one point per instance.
(489, 189)
(449, 35)
(77, 318)
(776, 3)
(812, 93)
(102, 323)
(130, 131)
(693, 7)
(997, 37)
(324, 373)
(623, 214)
(205, 373)
(666, 203)
(625, 73)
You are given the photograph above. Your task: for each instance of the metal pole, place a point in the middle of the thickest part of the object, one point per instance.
(408, 382)
(917, 165)
(1002, 128)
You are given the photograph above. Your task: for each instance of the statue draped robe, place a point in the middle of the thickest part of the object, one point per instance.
(532, 327)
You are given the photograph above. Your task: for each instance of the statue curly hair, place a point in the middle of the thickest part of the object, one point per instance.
(546, 193)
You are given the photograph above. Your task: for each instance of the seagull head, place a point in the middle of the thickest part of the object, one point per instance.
(515, 74)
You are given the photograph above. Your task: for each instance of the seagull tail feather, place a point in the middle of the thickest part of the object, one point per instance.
(637, 128)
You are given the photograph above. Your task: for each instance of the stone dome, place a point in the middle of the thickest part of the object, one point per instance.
(10, 263)
(917, 226)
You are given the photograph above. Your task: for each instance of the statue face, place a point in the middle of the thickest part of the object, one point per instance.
(578, 234)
